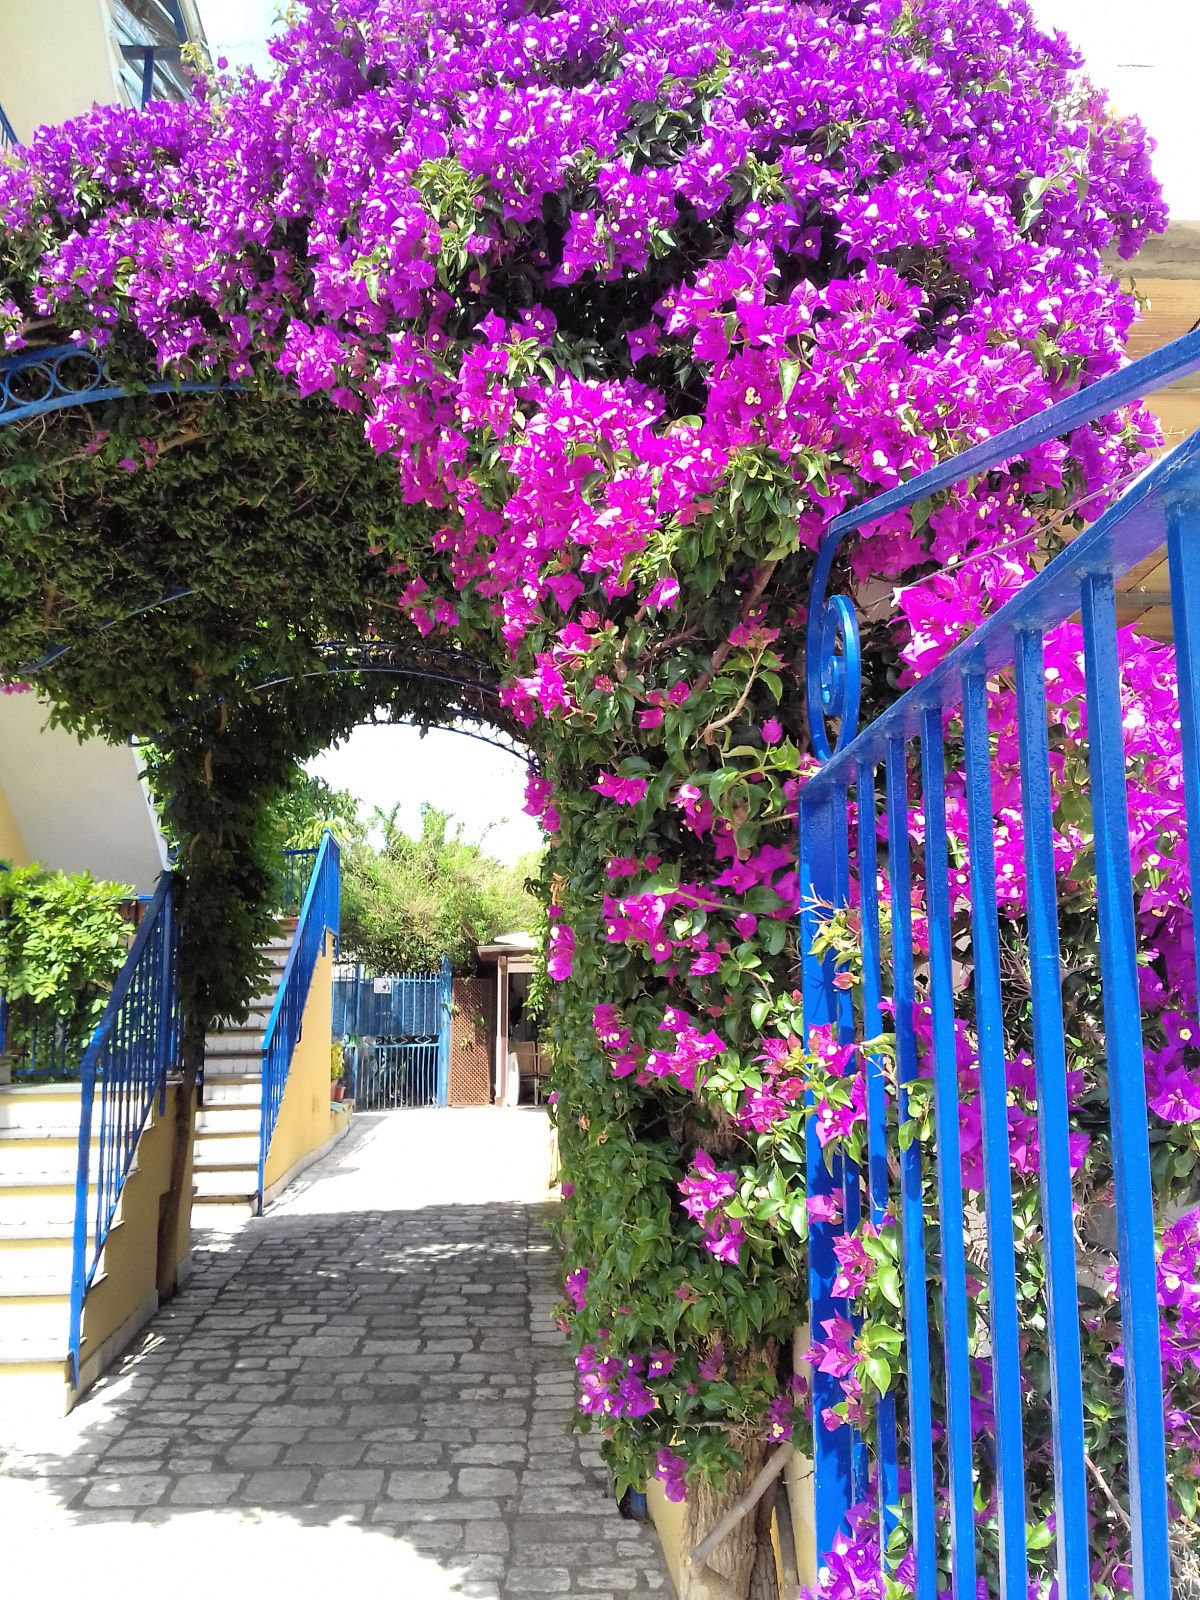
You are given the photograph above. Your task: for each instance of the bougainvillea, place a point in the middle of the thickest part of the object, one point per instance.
(631, 299)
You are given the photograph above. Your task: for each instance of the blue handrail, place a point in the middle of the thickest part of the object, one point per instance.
(840, 819)
(8, 137)
(125, 1066)
(319, 916)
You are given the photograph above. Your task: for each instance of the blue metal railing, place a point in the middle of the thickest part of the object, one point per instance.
(8, 137)
(319, 915)
(124, 1068)
(840, 821)
(41, 1044)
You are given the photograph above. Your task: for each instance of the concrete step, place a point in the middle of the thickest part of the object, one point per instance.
(239, 1042)
(232, 1089)
(229, 1118)
(37, 1205)
(45, 1159)
(232, 1149)
(236, 1182)
(218, 1067)
(33, 1318)
(32, 1353)
(52, 1107)
(44, 1262)
(223, 1216)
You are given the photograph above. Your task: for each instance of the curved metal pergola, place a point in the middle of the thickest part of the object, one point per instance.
(56, 377)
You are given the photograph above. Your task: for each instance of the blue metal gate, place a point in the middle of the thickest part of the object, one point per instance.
(399, 1031)
(873, 825)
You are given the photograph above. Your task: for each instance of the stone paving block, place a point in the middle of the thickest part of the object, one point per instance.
(418, 1485)
(205, 1489)
(116, 1493)
(487, 1480)
(283, 1486)
(538, 1580)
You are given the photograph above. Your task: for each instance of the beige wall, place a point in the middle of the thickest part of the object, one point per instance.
(126, 1295)
(55, 61)
(306, 1119)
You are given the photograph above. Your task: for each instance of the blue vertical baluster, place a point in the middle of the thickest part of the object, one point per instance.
(877, 1132)
(949, 1158)
(832, 1465)
(993, 1087)
(912, 1215)
(1049, 1055)
(843, 1002)
(1127, 1095)
(1183, 554)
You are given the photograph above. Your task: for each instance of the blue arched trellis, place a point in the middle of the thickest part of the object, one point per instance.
(33, 382)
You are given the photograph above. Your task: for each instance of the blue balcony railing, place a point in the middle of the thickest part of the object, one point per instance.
(8, 137)
(124, 1069)
(856, 850)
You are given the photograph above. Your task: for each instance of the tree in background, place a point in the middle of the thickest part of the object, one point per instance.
(408, 901)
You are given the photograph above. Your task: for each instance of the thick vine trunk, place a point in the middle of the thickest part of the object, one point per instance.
(729, 1570)
(181, 1144)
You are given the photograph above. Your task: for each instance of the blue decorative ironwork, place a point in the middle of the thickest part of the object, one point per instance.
(8, 137)
(124, 1069)
(832, 650)
(1161, 509)
(33, 382)
(406, 1018)
(319, 916)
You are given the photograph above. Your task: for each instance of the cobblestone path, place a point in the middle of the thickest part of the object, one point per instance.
(360, 1393)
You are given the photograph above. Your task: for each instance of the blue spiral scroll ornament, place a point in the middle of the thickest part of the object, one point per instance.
(36, 381)
(832, 657)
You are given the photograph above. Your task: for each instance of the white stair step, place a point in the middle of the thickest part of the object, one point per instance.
(232, 1089)
(236, 1046)
(40, 1160)
(45, 1263)
(210, 1211)
(31, 1352)
(230, 1183)
(30, 1318)
(226, 1150)
(37, 1205)
(52, 1106)
(228, 1119)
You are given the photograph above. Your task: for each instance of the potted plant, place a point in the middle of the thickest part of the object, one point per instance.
(337, 1087)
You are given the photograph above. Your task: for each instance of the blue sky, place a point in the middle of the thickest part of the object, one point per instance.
(1148, 70)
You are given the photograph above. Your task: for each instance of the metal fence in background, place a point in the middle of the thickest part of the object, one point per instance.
(399, 1032)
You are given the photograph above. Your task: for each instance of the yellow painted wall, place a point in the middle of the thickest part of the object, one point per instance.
(306, 1119)
(128, 1269)
(56, 61)
(12, 846)
(667, 1517)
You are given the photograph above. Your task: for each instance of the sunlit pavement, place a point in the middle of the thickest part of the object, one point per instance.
(363, 1387)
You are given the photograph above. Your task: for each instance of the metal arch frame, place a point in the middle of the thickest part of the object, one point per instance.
(58, 369)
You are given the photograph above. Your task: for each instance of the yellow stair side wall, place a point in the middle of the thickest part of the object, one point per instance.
(307, 1120)
(12, 845)
(125, 1294)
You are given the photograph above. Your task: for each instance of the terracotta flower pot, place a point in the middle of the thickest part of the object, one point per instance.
(337, 1091)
